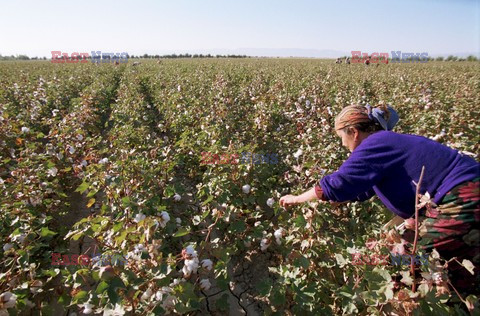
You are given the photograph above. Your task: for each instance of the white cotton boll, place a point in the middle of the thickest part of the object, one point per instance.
(329, 110)
(139, 217)
(246, 188)
(437, 277)
(298, 153)
(52, 172)
(103, 161)
(307, 173)
(174, 283)
(7, 246)
(178, 220)
(205, 284)
(207, 264)
(165, 218)
(177, 197)
(87, 308)
(270, 202)
(307, 103)
(25, 130)
(264, 244)
(146, 295)
(80, 137)
(71, 150)
(278, 233)
(179, 88)
(192, 264)
(190, 251)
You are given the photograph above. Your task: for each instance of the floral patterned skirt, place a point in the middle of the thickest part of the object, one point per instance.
(453, 229)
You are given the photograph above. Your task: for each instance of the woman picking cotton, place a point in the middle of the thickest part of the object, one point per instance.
(389, 164)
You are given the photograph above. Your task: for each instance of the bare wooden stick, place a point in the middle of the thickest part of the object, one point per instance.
(417, 193)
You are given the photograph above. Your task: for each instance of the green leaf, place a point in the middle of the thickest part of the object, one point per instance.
(208, 200)
(278, 297)
(302, 262)
(81, 297)
(102, 287)
(117, 226)
(77, 236)
(82, 187)
(264, 286)
(300, 221)
(182, 232)
(126, 201)
(92, 193)
(238, 226)
(112, 295)
(45, 232)
(205, 214)
(64, 299)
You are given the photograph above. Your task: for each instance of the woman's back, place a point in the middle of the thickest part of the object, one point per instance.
(388, 162)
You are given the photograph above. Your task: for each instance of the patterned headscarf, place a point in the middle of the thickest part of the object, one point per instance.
(356, 114)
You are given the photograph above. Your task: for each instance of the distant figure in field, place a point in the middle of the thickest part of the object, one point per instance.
(159, 61)
(117, 63)
(347, 60)
(136, 63)
(338, 61)
(367, 62)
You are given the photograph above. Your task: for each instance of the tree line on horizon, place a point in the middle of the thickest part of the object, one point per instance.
(172, 56)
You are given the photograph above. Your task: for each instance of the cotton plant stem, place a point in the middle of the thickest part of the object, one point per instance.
(417, 193)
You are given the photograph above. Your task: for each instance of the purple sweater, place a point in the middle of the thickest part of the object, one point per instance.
(385, 163)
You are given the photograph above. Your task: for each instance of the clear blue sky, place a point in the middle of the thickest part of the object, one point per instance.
(35, 27)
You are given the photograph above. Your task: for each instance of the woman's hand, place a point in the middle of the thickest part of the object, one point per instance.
(288, 200)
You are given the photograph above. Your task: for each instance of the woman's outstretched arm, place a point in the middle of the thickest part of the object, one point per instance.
(307, 196)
